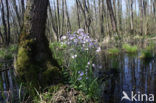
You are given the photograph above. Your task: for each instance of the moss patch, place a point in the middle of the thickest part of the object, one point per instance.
(35, 63)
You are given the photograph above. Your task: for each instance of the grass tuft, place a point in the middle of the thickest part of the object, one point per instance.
(130, 49)
(147, 52)
(113, 51)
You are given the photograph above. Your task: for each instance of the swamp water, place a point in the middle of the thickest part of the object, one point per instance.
(119, 73)
(8, 87)
(129, 74)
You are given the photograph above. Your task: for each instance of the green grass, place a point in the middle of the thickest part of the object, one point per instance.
(129, 48)
(113, 51)
(147, 53)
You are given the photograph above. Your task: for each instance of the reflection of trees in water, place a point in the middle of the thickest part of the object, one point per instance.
(8, 85)
(134, 75)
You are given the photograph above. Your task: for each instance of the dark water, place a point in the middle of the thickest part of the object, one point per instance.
(8, 86)
(127, 73)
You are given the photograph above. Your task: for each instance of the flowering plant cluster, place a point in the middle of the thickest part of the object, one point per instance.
(80, 40)
(78, 51)
(82, 50)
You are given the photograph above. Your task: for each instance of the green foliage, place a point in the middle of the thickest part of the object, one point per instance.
(55, 47)
(47, 95)
(130, 49)
(8, 52)
(80, 68)
(113, 51)
(147, 53)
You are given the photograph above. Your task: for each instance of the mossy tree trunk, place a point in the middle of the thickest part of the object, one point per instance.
(34, 62)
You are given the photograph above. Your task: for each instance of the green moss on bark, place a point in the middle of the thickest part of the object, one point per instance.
(36, 65)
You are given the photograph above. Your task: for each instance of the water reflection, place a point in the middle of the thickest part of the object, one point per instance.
(134, 75)
(8, 86)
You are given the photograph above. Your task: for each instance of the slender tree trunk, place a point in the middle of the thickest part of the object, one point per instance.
(62, 17)
(58, 19)
(8, 23)
(1, 36)
(17, 13)
(131, 13)
(145, 16)
(53, 23)
(101, 18)
(112, 17)
(120, 14)
(142, 15)
(4, 23)
(68, 18)
(22, 14)
(78, 14)
(84, 14)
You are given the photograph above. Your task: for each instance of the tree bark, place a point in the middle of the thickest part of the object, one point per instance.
(4, 23)
(78, 14)
(35, 63)
(101, 18)
(131, 13)
(1, 36)
(112, 17)
(62, 17)
(68, 18)
(8, 23)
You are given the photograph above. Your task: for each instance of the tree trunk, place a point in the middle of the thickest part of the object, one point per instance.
(131, 13)
(68, 18)
(62, 17)
(8, 23)
(142, 15)
(4, 23)
(101, 18)
(78, 14)
(2, 39)
(112, 17)
(35, 63)
(120, 15)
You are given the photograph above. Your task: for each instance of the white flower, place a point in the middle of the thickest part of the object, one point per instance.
(74, 56)
(88, 63)
(98, 49)
(62, 44)
(84, 42)
(86, 48)
(80, 31)
(93, 65)
(63, 37)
